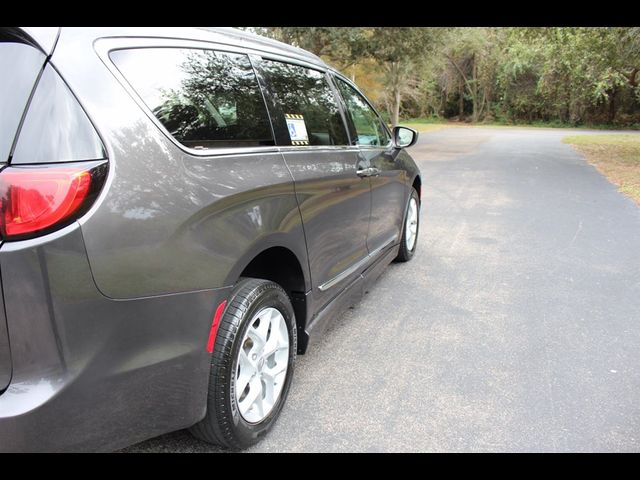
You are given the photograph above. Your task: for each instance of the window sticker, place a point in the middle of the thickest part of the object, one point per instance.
(297, 129)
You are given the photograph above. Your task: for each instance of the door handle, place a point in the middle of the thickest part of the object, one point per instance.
(368, 172)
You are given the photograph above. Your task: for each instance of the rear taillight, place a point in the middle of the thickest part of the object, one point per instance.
(35, 200)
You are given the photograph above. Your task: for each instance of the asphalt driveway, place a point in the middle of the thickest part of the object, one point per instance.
(516, 327)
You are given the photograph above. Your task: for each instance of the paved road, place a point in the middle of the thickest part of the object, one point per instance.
(515, 328)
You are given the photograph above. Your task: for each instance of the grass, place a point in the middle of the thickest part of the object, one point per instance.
(425, 127)
(428, 124)
(617, 156)
(558, 124)
(433, 123)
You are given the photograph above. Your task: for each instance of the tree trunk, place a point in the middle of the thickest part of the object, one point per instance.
(470, 86)
(612, 105)
(483, 102)
(474, 88)
(461, 102)
(444, 98)
(396, 97)
(395, 117)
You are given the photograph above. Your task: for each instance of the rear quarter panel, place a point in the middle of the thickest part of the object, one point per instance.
(92, 373)
(168, 221)
(5, 354)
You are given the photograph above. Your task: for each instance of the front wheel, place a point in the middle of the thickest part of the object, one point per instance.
(409, 240)
(252, 365)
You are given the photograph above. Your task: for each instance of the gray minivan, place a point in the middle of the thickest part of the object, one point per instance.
(182, 211)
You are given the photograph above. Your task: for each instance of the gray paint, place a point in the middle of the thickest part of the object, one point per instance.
(335, 206)
(46, 37)
(91, 373)
(513, 329)
(226, 205)
(5, 353)
(63, 130)
(108, 318)
(389, 195)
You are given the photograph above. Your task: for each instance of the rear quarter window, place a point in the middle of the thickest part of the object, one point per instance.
(20, 65)
(204, 98)
(56, 128)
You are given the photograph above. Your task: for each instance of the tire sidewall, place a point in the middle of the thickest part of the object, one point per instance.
(249, 433)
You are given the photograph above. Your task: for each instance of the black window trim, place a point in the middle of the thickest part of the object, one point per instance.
(18, 35)
(23, 115)
(344, 112)
(104, 46)
(96, 130)
(326, 74)
(339, 76)
(199, 152)
(346, 116)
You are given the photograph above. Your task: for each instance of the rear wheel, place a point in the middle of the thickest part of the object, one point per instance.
(409, 240)
(252, 365)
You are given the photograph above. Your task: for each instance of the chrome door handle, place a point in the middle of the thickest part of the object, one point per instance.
(368, 172)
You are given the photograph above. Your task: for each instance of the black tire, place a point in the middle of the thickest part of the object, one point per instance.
(404, 254)
(223, 424)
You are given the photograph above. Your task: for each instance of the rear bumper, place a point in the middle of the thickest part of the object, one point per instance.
(92, 373)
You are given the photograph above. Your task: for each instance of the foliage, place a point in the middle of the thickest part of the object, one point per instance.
(569, 75)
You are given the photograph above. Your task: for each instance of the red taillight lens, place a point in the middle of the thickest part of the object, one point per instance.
(37, 199)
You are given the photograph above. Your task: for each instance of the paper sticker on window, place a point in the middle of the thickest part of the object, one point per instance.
(297, 129)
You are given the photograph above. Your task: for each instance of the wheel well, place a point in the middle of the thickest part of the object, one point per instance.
(417, 184)
(280, 265)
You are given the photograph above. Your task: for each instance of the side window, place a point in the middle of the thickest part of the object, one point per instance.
(305, 101)
(204, 98)
(368, 126)
(20, 65)
(56, 129)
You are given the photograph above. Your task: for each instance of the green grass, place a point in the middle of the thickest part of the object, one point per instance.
(425, 127)
(429, 124)
(627, 141)
(438, 123)
(434, 120)
(558, 124)
(617, 156)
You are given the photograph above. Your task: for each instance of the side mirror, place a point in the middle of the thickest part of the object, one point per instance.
(404, 137)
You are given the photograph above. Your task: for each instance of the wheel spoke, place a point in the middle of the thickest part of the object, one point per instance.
(246, 369)
(269, 395)
(276, 341)
(262, 364)
(256, 338)
(245, 362)
(253, 396)
(263, 328)
(411, 226)
(271, 345)
(272, 374)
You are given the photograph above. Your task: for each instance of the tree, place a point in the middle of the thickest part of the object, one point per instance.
(332, 43)
(584, 68)
(567, 74)
(400, 53)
